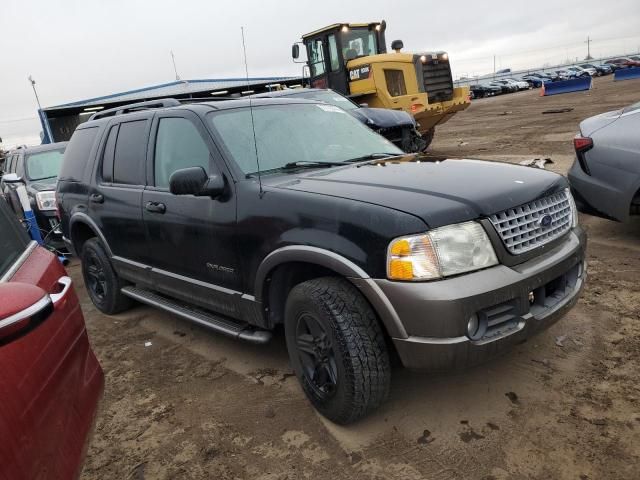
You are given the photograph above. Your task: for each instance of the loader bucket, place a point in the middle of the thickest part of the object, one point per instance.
(566, 86)
(626, 73)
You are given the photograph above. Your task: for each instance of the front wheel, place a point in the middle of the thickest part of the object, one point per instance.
(337, 349)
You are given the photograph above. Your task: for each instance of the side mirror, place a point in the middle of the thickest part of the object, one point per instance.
(195, 181)
(397, 45)
(295, 51)
(12, 178)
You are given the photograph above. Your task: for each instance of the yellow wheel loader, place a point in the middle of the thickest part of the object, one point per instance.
(352, 59)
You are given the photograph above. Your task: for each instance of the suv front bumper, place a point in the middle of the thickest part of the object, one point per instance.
(512, 304)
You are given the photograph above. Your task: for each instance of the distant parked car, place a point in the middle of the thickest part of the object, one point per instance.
(605, 177)
(583, 72)
(51, 381)
(565, 74)
(504, 87)
(37, 169)
(521, 84)
(600, 69)
(534, 80)
(482, 91)
(553, 76)
(623, 62)
(511, 86)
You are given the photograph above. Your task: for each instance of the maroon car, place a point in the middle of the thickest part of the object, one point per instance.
(623, 62)
(50, 380)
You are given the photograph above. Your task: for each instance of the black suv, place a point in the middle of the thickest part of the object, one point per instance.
(359, 250)
(37, 169)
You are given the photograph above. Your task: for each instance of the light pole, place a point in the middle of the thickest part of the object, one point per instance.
(33, 85)
(46, 135)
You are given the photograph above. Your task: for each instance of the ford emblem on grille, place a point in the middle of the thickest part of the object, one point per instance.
(545, 221)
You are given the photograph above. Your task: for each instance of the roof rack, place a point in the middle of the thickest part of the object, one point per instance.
(133, 107)
(206, 99)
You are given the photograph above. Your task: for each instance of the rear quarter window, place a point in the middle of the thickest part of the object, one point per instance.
(78, 154)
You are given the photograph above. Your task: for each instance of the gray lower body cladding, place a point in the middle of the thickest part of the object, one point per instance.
(510, 304)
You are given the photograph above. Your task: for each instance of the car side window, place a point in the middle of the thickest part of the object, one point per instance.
(108, 155)
(12, 240)
(130, 153)
(178, 145)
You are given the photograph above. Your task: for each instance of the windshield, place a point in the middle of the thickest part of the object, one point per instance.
(44, 164)
(361, 41)
(329, 97)
(292, 133)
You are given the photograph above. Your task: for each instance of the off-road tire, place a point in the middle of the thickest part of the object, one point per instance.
(358, 344)
(428, 137)
(112, 301)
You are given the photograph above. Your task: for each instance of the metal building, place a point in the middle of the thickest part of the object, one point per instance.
(59, 122)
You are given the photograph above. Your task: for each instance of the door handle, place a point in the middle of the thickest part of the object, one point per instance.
(155, 207)
(96, 198)
(65, 283)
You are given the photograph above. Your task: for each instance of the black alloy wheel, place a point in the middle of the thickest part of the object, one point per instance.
(316, 354)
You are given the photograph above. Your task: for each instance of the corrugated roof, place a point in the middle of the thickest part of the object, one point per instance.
(182, 87)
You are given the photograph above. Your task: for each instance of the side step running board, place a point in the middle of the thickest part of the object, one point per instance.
(242, 331)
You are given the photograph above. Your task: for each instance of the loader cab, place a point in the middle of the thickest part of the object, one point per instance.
(330, 48)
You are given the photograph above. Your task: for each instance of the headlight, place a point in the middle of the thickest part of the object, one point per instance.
(441, 252)
(46, 200)
(574, 209)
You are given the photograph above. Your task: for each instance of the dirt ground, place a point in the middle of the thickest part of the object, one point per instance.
(565, 405)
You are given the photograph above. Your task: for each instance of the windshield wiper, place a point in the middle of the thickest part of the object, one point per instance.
(43, 178)
(310, 164)
(374, 156)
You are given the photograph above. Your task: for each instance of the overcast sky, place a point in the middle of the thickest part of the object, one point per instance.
(77, 49)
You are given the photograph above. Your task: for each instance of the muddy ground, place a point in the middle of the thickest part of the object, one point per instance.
(565, 405)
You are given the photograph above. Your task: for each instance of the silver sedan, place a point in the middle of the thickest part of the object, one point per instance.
(605, 177)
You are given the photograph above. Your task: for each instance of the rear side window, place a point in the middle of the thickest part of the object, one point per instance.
(130, 153)
(178, 145)
(12, 241)
(76, 156)
(107, 156)
(395, 82)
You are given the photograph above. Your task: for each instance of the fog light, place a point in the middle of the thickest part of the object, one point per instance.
(473, 327)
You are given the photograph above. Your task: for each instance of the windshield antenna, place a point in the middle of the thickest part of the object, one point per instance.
(253, 125)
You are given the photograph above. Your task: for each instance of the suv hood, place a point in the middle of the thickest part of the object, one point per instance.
(439, 191)
(43, 185)
(382, 117)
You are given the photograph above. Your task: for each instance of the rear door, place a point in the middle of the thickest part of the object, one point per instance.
(115, 201)
(50, 380)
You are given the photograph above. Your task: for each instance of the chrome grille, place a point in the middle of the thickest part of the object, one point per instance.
(520, 228)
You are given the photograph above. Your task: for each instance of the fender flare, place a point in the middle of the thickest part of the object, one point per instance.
(342, 266)
(80, 217)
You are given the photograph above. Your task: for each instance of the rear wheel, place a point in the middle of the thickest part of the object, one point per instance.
(337, 349)
(101, 280)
